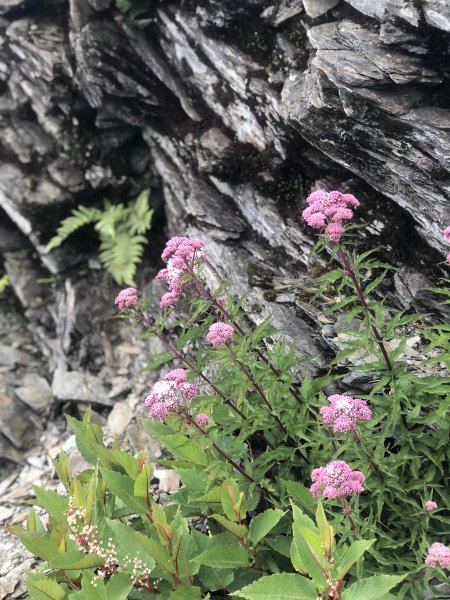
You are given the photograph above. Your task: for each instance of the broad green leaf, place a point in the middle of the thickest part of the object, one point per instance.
(281, 586)
(307, 545)
(126, 542)
(156, 550)
(51, 501)
(372, 588)
(214, 496)
(36, 543)
(215, 579)
(44, 588)
(224, 556)
(142, 483)
(123, 487)
(236, 529)
(351, 555)
(232, 500)
(263, 523)
(70, 561)
(300, 494)
(186, 593)
(119, 586)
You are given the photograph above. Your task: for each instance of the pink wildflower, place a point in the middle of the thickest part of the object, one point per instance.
(177, 375)
(182, 256)
(446, 233)
(328, 210)
(219, 334)
(170, 299)
(202, 419)
(126, 298)
(438, 554)
(169, 395)
(335, 231)
(344, 412)
(335, 480)
(430, 505)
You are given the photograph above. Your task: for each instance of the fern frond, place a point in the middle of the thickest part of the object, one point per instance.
(81, 216)
(140, 216)
(4, 282)
(120, 256)
(123, 5)
(110, 218)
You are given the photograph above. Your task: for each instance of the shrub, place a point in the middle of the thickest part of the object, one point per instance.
(289, 491)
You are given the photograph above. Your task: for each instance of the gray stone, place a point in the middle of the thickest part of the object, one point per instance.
(437, 14)
(35, 391)
(317, 8)
(16, 424)
(77, 386)
(385, 9)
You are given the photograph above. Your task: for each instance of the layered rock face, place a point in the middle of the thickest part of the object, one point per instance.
(237, 110)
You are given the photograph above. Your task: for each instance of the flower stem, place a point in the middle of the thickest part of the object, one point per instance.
(258, 388)
(223, 311)
(348, 268)
(181, 357)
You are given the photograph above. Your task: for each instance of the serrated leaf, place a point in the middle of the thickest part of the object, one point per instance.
(351, 555)
(44, 588)
(142, 483)
(301, 495)
(263, 523)
(239, 531)
(372, 588)
(281, 586)
(224, 556)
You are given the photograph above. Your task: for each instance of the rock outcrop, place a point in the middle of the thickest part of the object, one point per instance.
(235, 111)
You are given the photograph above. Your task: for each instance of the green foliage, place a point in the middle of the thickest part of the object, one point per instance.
(4, 282)
(245, 475)
(134, 8)
(121, 231)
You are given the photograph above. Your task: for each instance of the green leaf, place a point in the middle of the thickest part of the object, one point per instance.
(233, 500)
(263, 523)
(71, 561)
(142, 483)
(351, 555)
(224, 556)
(44, 588)
(372, 588)
(123, 487)
(301, 495)
(36, 543)
(119, 586)
(186, 593)
(239, 531)
(281, 586)
(51, 501)
(215, 579)
(80, 216)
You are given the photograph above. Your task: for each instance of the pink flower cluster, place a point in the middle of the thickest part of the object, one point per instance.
(438, 554)
(126, 298)
(336, 480)
(328, 210)
(344, 412)
(446, 234)
(182, 256)
(202, 419)
(430, 505)
(169, 395)
(219, 334)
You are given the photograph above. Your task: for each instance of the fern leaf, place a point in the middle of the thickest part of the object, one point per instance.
(109, 220)
(120, 256)
(123, 5)
(140, 217)
(81, 216)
